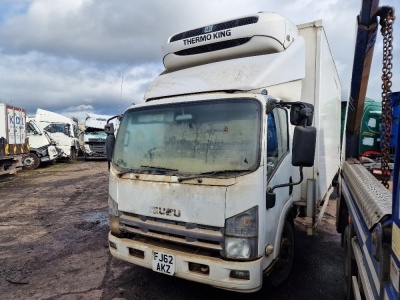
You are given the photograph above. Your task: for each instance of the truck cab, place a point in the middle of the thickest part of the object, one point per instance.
(94, 136)
(208, 174)
(63, 130)
(42, 147)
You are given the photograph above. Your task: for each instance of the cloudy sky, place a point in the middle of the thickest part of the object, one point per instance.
(72, 56)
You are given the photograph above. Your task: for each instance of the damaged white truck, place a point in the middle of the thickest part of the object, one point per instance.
(236, 136)
(94, 136)
(63, 130)
(42, 147)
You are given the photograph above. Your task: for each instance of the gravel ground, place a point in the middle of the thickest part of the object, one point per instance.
(53, 245)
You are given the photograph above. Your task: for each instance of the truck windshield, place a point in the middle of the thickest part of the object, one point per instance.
(190, 138)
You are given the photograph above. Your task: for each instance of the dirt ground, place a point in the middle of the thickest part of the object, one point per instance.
(53, 245)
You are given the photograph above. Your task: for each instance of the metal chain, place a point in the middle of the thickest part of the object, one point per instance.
(386, 130)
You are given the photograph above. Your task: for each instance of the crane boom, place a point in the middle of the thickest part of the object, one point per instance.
(364, 49)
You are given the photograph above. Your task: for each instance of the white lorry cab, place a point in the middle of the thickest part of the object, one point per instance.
(239, 132)
(42, 146)
(94, 136)
(63, 130)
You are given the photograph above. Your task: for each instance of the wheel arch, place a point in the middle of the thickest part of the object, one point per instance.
(288, 213)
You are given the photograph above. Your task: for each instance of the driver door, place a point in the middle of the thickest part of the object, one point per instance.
(278, 166)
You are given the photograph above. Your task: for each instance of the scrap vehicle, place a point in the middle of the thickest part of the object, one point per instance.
(94, 136)
(63, 130)
(42, 147)
(368, 215)
(208, 174)
(14, 146)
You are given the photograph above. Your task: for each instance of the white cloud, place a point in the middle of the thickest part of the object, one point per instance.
(58, 54)
(36, 81)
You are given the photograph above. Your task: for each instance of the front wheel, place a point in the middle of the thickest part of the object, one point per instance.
(284, 264)
(31, 162)
(72, 156)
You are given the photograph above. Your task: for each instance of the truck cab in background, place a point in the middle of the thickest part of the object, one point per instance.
(94, 136)
(42, 147)
(63, 130)
(209, 173)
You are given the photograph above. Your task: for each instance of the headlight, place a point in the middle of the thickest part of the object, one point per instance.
(241, 235)
(237, 248)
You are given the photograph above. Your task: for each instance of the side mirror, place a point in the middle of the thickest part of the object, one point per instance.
(304, 141)
(271, 199)
(109, 129)
(303, 149)
(110, 142)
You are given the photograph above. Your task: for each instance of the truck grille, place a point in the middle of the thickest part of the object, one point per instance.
(216, 27)
(97, 146)
(179, 233)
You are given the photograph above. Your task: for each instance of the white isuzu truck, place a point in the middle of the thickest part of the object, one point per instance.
(209, 173)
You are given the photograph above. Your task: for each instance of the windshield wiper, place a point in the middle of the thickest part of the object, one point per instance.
(127, 170)
(210, 174)
(152, 168)
(162, 169)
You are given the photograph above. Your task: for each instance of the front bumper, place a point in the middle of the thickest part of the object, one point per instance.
(219, 270)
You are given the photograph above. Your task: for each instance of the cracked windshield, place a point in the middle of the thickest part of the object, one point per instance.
(190, 138)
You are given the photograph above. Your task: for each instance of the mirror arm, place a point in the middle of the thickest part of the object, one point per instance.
(288, 184)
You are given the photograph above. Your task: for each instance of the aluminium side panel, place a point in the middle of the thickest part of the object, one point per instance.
(329, 116)
(322, 88)
(307, 31)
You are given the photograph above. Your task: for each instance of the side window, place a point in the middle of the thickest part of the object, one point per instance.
(49, 128)
(277, 138)
(31, 130)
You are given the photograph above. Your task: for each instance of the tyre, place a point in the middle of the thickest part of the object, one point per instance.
(284, 264)
(31, 162)
(72, 156)
(350, 265)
